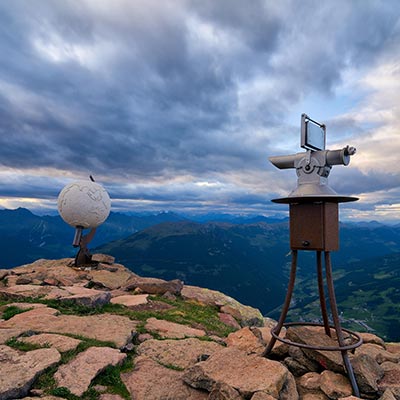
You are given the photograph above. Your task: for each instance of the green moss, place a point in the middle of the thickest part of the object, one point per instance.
(10, 311)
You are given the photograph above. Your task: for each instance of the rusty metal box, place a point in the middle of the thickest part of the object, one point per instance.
(314, 226)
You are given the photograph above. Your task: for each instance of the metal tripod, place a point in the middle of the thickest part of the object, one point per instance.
(342, 347)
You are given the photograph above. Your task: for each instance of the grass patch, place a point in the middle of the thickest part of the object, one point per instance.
(10, 311)
(23, 346)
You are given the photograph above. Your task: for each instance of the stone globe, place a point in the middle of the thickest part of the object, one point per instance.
(84, 204)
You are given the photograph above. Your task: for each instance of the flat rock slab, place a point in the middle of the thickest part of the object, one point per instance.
(172, 330)
(105, 327)
(130, 300)
(6, 334)
(108, 279)
(19, 371)
(85, 297)
(154, 285)
(20, 292)
(26, 306)
(247, 315)
(179, 353)
(79, 373)
(151, 381)
(60, 342)
(247, 374)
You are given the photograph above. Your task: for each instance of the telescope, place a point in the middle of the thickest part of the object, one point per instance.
(314, 165)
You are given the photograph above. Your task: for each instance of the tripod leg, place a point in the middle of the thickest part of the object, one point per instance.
(336, 322)
(322, 299)
(277, 329)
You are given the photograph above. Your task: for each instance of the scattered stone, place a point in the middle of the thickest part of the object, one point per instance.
(78, 373)
(169, 296)
(103, 258)
(309, 364)
(335, 385)
(60, 342)
(227, 319)
(331, 360)
(367, 372)
(3, 273)
(19, 371)
(51, 282)
(23, 281)
(154, 285)
(172, 330)
(109, 280)
(245, 340)
(100, 388)
(314, 396)
(391, 378)
(222, 391)
(86, 297)
(393, 348)
(106, 327)
(371, 338)
(130, 300)
(108, 396)
(378, 353)
(248, 316)
(310, 381)
(144, 336)
(151, 381)
(179, 353)
(289, 390)
(295, 367)
(261, 396)
(245, 373)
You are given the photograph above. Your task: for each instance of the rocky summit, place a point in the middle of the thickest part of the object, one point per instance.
(103, 332)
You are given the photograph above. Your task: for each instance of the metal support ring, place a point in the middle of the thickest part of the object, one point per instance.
(325, 348)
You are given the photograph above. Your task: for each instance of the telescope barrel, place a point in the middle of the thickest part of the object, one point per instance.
(340, 157)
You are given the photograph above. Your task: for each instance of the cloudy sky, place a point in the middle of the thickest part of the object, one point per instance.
(177, 105)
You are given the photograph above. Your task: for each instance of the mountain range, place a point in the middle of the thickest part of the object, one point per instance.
(245, 257)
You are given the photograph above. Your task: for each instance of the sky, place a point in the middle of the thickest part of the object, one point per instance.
(177, 105)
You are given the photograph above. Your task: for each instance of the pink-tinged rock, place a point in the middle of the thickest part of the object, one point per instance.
(20, 292)
(367, 372)
(314, 396)
(378, 353)
(19, 371)
(79, 373)
(310, 381)
(261, 396)
(391, 378)
(280, 349)
(21, 280)
(105, 327)
(245, 340)
(371, 338)
(222, 391)
(108, 396)
(247, 374)
(6, 334)
(27, 306)
(43, 398)
(154, 285)
(60, 342)
(172, 330)
(86, 297)
(180, 353)
(331, 360)
(51, 281)
(103, 258)
(248, 316)
(130, 300)
(110, 280)
(151, 381)
(393, 348)
(335, 385)
(227, 319)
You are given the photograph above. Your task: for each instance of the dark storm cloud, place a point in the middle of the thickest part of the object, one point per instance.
(146, 90)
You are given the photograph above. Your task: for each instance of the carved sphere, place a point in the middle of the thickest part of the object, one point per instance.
(84, 203)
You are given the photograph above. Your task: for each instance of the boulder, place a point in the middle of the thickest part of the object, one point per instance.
(179, 353)
(172, 330)
(367, 372)
(60, 342)
(247, 315)
(151, 381)
(391, 378)
(106, 327)
(261, 396)
(227, 319)
(154, 285)
(103, 258)
(130, 300)
(245, 340)
(86, 297)
(222, 391)
(110, 280)
(310, 381)
(331, 360)
(19, 371)
(371, 338)
(79, 373)
(247, 374)
(335, 385)
(378, 353)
